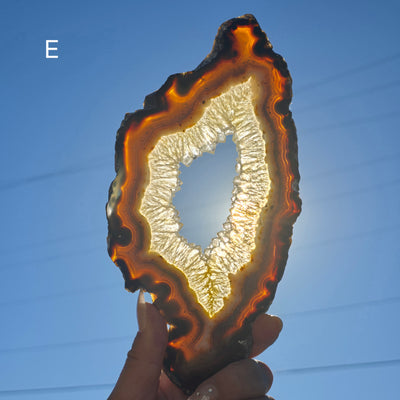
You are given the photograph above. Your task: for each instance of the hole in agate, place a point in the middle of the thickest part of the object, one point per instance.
(204, 199)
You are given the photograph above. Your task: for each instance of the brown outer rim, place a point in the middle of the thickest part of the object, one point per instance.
(160, 281)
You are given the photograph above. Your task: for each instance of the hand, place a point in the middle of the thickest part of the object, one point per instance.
(142, 377)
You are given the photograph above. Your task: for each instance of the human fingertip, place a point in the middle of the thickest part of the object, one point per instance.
(268, 376)
(277, 322)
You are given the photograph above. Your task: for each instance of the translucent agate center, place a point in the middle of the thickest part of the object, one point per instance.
(207, 272)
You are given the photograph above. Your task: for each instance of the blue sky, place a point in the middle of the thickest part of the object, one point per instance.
(66, 319)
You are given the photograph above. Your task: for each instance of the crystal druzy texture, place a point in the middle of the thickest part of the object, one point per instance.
(209, 297)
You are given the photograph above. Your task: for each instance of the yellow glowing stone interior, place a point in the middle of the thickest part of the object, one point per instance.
(231, 113)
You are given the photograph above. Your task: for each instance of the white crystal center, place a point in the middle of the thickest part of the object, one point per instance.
(231, 113)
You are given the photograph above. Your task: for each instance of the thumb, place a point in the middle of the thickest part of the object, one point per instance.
(140, 376)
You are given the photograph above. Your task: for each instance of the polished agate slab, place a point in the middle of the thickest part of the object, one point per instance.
(209, 297)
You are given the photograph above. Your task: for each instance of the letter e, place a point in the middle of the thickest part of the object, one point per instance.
(51, 49)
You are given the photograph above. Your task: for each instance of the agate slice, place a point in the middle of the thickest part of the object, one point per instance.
(210, 297)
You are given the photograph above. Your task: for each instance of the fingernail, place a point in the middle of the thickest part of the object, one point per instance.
(141, 311)
(278, 322)
(207, 392)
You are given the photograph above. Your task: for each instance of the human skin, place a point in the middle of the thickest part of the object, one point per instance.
(142, 377)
